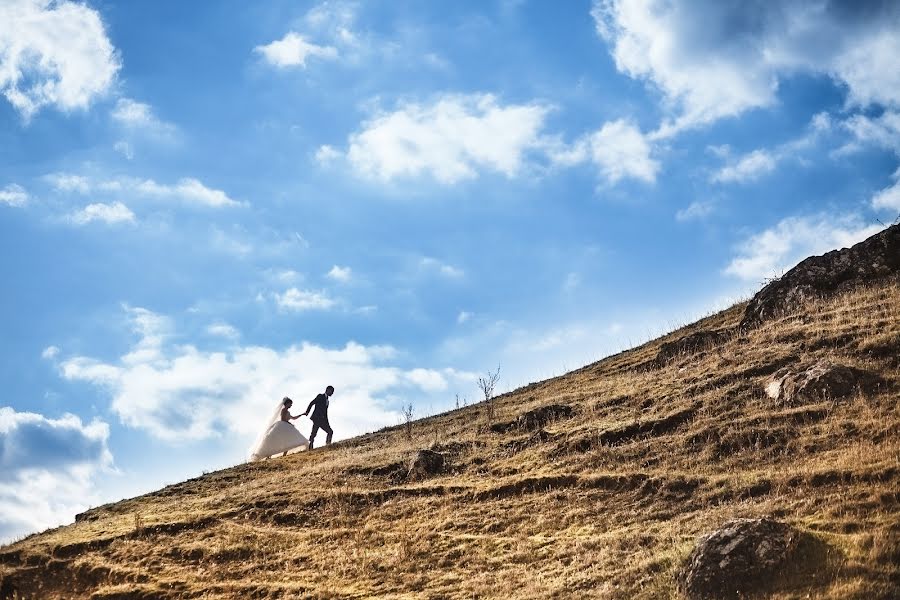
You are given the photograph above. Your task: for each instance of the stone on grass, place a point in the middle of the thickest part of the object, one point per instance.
(425, 463)
(689, 344)
(824, 380)
(743, 557)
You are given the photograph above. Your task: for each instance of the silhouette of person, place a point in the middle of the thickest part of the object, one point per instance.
(319, 417)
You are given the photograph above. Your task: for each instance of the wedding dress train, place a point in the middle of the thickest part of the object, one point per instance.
(280, 436)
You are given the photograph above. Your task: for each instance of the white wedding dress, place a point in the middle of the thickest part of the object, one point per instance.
(278, 437)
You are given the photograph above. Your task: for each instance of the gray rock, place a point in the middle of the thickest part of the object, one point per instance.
(874, 259)
(425, 463)
(740, 558)
(824, 380)
(689, 344)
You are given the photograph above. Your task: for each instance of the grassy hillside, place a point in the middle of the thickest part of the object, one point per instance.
(603, 503)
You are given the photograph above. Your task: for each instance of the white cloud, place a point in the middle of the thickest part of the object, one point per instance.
(883, 131)
(869, 66)
(50, 352)
(444, 269)
(889, 197)
(13, 195)
(47, 469)
(326, 154)
(223, 330)
(621, 151)
(342, 274)
(463, 316)
(53, 53)
(294, 299)
(715, 59)
(749, 167)
(138, 115)
(68, 182)
(292, 51)
(427, 379)
(187, 189)
(695, 210)
(451, 139)
(774, 250)
(104, 213)
(183, 393)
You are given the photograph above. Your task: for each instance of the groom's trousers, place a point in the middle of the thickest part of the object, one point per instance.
(324, 426)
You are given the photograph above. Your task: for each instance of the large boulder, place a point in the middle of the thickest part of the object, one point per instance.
(741, 558)
(425, 463)
(874, 259)
(823, 380)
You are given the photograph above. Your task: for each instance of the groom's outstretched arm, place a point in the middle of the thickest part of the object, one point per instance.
(309, 408)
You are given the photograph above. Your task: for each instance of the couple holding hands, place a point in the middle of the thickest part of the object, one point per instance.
(280, 435)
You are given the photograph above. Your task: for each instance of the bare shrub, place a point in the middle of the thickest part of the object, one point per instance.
(487, 384)
(408, 421)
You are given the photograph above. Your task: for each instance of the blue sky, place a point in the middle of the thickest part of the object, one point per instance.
(207, 206)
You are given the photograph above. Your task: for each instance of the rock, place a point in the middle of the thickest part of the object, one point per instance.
(740, 558)
(874, 259)
(823, 380)
(425, 463)
(536, 419)
(689, 344)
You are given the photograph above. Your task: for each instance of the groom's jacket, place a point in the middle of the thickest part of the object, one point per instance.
(319, 406)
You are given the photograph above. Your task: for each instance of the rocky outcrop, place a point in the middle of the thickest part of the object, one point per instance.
(824, 380)
(740, 558)
(425, 463)
(874, 259)
(535, 419)
(689, 344)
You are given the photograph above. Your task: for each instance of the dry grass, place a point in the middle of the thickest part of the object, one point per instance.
(603, 504)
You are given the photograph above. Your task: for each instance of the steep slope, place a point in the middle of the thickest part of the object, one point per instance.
(603, 496)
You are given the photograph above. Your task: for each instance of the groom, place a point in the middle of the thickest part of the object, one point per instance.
(319, 417)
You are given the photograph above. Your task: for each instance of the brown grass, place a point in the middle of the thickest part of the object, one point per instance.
(603, 504)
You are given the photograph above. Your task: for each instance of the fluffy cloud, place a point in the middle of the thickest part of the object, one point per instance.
(297, 300)
(889, 197)
(292, 51)
(53, 52)
(47, 466)
(188, 189)
(451, 139)
(749, 167)
(620, 150)
(774, 250)
(715, 59)
(882, 131)
(13, 195)
(182, 393)
(138, 115)
(342, 274)
(104, 213)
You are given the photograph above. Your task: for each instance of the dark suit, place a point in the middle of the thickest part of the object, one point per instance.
(319, 418)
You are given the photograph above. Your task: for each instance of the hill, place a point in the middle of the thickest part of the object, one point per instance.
(787, 412)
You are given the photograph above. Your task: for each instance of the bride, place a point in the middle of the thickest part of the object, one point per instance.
(279, 436)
